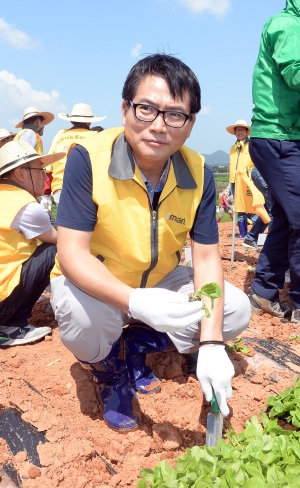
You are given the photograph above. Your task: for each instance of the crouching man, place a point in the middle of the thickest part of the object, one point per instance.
(129, 198)
(24, 266)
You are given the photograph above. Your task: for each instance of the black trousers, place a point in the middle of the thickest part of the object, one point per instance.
(16, 309)
(279, 164)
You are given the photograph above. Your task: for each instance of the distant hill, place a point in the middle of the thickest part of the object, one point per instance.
(218, 158)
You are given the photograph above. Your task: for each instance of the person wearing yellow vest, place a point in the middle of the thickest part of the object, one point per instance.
(239, 162)
(130, 196)
(24, 265)
(240, 170)
(5, 136)
(32, 126)
(81, 118)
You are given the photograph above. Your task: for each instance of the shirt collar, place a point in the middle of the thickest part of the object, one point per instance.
(122, 165)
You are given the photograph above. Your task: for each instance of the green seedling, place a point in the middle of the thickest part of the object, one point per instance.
(237, 346)
(286, 405)
(212, 291)
(291, 338)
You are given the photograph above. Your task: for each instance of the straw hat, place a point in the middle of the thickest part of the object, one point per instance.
(4, 134)
(81, 112)
(239, 123)
(33, 112)
(16, 153)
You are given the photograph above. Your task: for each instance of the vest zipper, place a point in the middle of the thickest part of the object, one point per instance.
(154, 240)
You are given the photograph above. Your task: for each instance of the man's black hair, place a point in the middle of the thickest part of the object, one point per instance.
(31, 120)
(178, 76)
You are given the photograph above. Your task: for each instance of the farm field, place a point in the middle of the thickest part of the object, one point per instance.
(49, 390)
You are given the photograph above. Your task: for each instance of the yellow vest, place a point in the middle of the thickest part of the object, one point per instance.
(240, 163)
(247, 198)
(39, 145)
(61, 143)
(15, 249)
(138, 245)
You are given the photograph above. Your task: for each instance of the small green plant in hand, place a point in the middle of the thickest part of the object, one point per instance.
(212, 291)
(237, 346)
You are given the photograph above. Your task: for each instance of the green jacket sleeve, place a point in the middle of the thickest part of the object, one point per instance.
(283, 39)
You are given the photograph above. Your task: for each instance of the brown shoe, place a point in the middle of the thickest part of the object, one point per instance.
(276, 309)
(295, 318)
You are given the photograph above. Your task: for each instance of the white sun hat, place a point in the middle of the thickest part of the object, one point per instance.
(4, 134)
(81, 112)
(239, 123)
(16, 153)
(34, 112)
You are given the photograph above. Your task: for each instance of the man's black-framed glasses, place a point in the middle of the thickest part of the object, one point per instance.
(147, 113)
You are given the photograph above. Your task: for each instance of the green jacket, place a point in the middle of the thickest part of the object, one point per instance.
(276, 77)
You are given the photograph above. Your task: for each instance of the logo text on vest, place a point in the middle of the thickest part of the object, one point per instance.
(169, 216)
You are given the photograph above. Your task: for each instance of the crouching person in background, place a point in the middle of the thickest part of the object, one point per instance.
(24, 266)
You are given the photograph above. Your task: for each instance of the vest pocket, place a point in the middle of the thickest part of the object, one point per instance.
(101, 258)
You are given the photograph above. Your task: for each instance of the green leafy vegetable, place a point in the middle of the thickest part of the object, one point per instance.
(237, 346)
(286, 405)
(262, 455)
(212, 291)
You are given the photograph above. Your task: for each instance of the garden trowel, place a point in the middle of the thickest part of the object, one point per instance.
(214, 423)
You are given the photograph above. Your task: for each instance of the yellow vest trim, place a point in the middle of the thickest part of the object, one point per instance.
(62, 143)
(39, 145)
(15, 248)
(240, 163)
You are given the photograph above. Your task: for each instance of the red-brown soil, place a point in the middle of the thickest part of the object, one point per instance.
(81, 451)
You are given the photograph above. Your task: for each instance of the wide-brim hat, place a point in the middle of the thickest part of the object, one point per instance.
(4, 134)
(81, 112)
(16, 153)
(34, 112)
(239, 123)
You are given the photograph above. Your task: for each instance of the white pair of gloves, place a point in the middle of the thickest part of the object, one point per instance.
(169, 311)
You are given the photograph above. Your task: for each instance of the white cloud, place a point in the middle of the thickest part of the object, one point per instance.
(136, 51)
(16, 94)
(216, 7)
(15, 37)
(205, 110)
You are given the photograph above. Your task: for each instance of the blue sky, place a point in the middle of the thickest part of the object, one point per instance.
(55, 54)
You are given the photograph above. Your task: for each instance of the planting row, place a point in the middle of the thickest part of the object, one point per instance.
(264, 455)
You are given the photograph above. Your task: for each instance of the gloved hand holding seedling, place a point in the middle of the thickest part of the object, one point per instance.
(214, 368)
(212, 291)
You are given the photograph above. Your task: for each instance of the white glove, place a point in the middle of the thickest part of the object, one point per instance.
(214, 369)
(56, 196)
(164, 310)
(46, 202)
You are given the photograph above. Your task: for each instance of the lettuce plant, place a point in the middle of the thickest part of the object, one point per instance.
(264, 455)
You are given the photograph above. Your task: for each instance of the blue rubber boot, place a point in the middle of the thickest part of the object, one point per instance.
(118, 400)
(141, 339)
(243, 229)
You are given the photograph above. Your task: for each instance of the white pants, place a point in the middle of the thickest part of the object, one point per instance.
(89, 327)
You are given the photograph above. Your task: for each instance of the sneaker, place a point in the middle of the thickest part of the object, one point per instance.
(16, 336)
(251, 244)
(276, 309)
(295, 318)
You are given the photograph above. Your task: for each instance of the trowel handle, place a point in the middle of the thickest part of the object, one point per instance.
(214, 406)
